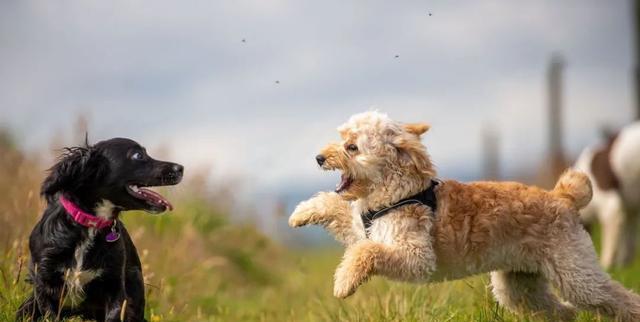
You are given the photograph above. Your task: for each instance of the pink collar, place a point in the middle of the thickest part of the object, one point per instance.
(82, 217)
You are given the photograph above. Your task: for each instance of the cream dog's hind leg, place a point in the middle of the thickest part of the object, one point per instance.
(332, 212)
(529, 293)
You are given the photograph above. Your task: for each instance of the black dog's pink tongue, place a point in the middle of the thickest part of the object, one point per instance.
(155, 197)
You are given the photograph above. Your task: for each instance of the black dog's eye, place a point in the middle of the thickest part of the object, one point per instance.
(352, 148)
(137, 156)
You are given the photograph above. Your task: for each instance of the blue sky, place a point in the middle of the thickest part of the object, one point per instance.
(177, 74)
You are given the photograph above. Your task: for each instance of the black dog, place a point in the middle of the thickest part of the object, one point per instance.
(83, 261)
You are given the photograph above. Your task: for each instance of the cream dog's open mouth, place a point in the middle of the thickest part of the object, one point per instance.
(345, 183)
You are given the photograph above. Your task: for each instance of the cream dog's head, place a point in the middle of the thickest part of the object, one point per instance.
(378, 156)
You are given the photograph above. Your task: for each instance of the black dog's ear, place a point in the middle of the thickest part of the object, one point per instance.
(77, 167)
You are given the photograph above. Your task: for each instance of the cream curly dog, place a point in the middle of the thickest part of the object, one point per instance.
(528, 238)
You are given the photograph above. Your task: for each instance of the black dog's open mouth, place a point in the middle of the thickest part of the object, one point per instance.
(154, 199)
(344, 184)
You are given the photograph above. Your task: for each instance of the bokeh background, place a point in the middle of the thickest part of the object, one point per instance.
(244, 93)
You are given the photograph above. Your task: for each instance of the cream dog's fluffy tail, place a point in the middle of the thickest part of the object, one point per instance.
(575, 187)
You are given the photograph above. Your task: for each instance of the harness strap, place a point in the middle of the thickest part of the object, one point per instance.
(425, 198)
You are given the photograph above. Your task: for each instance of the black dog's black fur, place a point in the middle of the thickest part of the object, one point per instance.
(87, 176)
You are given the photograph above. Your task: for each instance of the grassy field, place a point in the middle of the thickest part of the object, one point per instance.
(200, 267)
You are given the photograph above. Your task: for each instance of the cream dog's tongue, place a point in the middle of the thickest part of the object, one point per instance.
(345, 181)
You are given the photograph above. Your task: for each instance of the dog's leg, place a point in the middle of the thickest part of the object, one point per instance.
(357, 266)
(115, 307)
(125, 299)
(627, 250)
(28, 310)
(613, 221)
(529, 293)
(332, 212)
(48, 294)
(575, 271)
(129, 308)
(411, 260)
(135, 295)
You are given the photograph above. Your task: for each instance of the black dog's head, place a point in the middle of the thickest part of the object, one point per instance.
(115, 170)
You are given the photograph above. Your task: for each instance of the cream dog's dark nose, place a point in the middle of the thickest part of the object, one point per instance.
(320, 159)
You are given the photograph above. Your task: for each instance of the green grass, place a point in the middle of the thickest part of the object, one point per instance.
(200, 267)
(232, 273)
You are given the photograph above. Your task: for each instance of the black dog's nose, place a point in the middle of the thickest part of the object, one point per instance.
(177, 168)
(321, 159)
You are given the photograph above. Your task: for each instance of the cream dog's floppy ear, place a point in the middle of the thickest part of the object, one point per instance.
(413, 150)
(416, 128)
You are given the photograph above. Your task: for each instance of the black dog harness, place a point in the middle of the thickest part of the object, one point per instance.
(426, 198)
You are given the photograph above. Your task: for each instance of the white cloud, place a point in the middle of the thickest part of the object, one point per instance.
(178, 73)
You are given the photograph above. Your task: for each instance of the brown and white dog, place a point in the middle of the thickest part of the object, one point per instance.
(614, 168)
(528, 238)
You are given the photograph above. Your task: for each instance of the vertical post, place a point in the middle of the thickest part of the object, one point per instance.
(81, 130)
(556, 150)
(490, 143)
(636, 42)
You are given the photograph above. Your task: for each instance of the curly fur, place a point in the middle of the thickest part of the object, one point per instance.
(528, 238)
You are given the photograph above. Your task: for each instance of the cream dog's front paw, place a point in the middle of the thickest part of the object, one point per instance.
(345, 283)
(301, 215)
(318, 210)
(356, 267)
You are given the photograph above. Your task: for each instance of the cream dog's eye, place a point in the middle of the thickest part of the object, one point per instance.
(352, 148)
